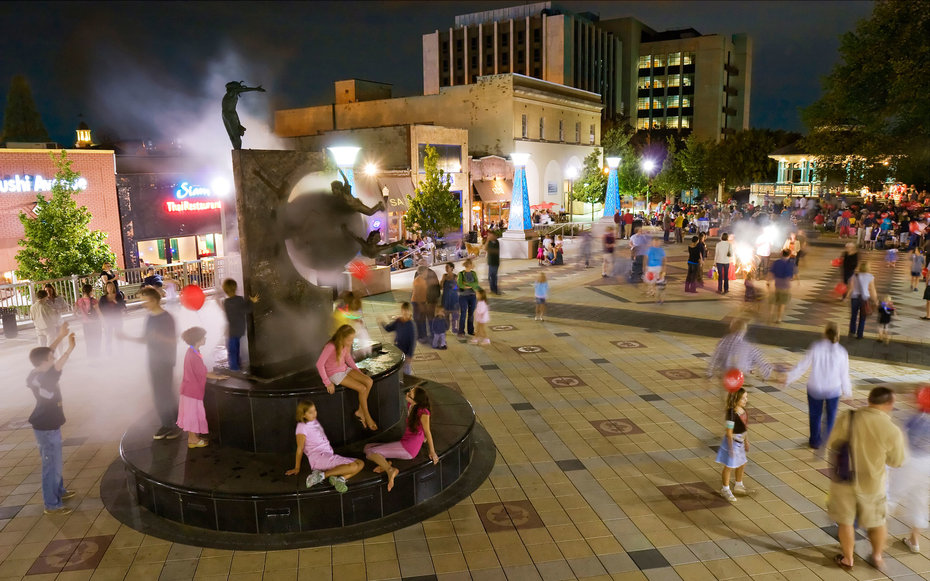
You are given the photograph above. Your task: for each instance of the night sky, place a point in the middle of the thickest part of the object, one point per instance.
(142, 69)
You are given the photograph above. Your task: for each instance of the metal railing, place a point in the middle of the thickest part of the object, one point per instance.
(20, 296)
(789, 189)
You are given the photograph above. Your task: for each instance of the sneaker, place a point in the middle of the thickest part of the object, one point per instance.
(461, 335)
(174, 433)
(339, 483)
(740, 488)
(473, 341)
(62, 511)
(315, 478)
(914, 547)
(162, 433)
(68, 494)
(198, 444)
(727, 494)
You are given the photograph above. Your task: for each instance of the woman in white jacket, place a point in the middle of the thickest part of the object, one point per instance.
(827, 383)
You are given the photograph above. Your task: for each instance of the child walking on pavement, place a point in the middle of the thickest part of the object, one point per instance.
(735, 444)
(541, 291)
(885, 314)
(405, 335)
(324, 463)
(438, 327)
(482, 318)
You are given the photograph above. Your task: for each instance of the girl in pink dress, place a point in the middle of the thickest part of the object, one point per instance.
(410, 443)
(336, 367)
(191, 415)
(312, 441)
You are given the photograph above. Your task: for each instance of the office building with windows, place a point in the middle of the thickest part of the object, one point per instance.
(679, 80)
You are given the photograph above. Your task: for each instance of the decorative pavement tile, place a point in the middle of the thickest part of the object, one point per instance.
(489, 367)
(767, 388)
(616, 427)
(562, 334)
(628, 344)
(874, 380)
(678, 374)
(758, 417)
(570, 465)
(652, 397)
(599, 360)
(421, 578)
(71, 555)
(649, 559)
(530, 349)
(522, 407)
(7, 512)
(565, 381)
(825, 472)
(700, 355)
(858, 403)
(428, 356)
(16, 425)
(833, 531)
(715, 448)
(76, 441)
(505, 516)
(501, 328)
(693, 496)
(652, 330)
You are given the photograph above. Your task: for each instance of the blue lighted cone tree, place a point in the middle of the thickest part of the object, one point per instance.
(58, 241)
(433, 211)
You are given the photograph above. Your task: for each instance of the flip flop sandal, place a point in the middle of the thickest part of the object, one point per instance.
(839, 563)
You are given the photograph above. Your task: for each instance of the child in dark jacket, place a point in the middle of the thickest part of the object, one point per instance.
(405, 334)
(438, 326)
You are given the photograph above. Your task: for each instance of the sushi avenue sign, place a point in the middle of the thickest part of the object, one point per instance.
(25, 184)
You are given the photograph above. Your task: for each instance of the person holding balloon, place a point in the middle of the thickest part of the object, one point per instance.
(909, 485)
(735, 352)
(828, 381)
(735, 444)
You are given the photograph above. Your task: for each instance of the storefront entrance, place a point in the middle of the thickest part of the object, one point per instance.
(162, 251)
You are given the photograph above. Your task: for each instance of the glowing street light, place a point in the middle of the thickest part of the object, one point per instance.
(371, 169)
(648, 165)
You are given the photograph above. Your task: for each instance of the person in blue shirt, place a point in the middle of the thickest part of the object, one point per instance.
(405, 334)
(655, 265)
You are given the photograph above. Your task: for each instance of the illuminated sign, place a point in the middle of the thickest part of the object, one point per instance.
(185, 190)
(34, 183)
(498, 188)
(187, 206)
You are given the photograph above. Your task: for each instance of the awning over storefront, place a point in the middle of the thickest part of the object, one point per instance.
(398, 189)
(493, 190)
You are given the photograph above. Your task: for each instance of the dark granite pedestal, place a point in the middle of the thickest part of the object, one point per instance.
(229, 498)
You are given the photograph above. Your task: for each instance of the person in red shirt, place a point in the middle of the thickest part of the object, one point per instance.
(627, 225)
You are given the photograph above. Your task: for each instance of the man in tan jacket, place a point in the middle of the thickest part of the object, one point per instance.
(876, 442)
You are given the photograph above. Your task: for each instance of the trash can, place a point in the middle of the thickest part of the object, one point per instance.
(8, 318)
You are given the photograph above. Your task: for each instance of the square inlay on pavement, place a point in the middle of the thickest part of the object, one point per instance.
(678, 374)
(505, 516)
(570, 465)
(616, 427)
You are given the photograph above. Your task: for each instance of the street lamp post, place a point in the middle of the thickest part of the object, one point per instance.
(648, 166)
(344, 156)
(571, 172)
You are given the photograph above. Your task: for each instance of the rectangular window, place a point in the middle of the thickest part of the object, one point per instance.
(505, 59)
(642, 104)
(591, 135)
(474, 62)
(658, 122)
(450, 157)
(488, 42)
(474, 43)
(686, 122)
(687, 58)
(671, 122)
(658, 82)
(537, 35)
(645, 61)
(542, 128)
(674, 59)
(535, 55)
(505, 38)
(674, 80)
(672, 101)
(577, 132)
(687, 80)
(489, 61)
(644, 82)
(520, 57)
(658, 102)
(525, 131)
(658, 60)
(520, 37)
(686, 100)
(561, 130)
(642, 123)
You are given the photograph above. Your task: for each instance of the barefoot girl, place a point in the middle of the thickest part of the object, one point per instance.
(336, 367)
(732, 453)
(410, 443)
(312, 441)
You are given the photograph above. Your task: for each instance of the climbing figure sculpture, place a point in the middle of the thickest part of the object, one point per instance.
(344, 190)
(371, 246)
(230, 117)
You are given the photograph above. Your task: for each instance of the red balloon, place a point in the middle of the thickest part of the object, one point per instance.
(733, 380)
(923, 398)
(839, 289)
(650, 275)
(923, 272)
(358, 270)
(192, 297)
(837, 261)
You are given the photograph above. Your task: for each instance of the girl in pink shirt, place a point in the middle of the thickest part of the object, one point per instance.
(191, 415)
(336, 367)
(312, 441)
(410, 443)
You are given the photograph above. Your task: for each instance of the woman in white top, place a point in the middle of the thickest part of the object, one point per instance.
(827, 383)
(862, 295)
(723, 256)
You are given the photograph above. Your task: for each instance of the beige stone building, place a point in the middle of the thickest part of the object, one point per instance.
(557, 125)
(678, 80)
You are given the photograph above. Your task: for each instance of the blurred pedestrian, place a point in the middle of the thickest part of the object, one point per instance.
(909, 485)
(87, 310)
(862, 298)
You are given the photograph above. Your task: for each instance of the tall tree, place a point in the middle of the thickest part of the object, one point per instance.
(672, 178)
(875, 106)
(58, 241)
(433, 211)
(21, 119)
(591, 185)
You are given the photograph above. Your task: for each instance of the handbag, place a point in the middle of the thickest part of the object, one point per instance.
(843, 468)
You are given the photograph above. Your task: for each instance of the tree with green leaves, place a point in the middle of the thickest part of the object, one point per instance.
(591, 185)
(433, 211)
(672, 178)
(58, 241)
(21, 119)
(875, 107)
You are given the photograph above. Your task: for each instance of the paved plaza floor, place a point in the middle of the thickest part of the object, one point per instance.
(605, 429)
